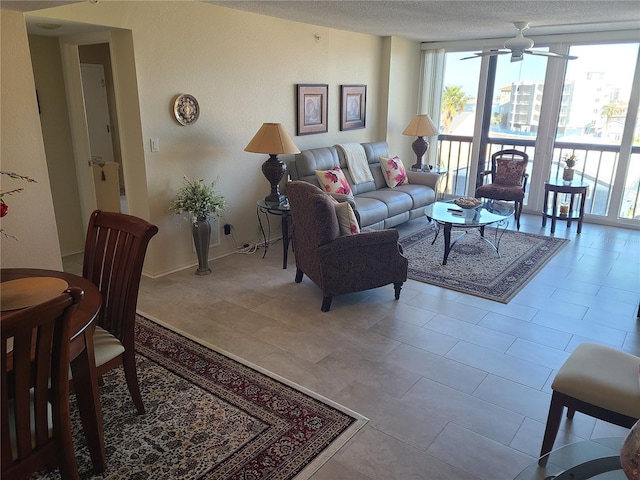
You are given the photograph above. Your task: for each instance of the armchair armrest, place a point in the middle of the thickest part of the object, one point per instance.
(484, 174)
(423, 178)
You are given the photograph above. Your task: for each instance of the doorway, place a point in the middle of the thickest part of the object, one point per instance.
(102, 127)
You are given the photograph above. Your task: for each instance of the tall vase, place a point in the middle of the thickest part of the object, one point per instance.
(201, 237)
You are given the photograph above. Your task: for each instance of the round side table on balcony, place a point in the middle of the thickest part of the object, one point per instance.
(564, 211)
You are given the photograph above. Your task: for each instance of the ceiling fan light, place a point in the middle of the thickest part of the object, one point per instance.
(519, 43)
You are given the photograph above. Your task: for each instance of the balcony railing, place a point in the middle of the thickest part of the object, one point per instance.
(596, 165)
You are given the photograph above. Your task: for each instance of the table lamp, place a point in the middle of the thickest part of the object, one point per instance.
(273, 140)
(421, 126)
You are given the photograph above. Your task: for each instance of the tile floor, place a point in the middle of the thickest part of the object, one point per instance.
(466, 404)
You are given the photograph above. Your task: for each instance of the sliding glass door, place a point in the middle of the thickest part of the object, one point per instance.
(551, 109)
(592, 126)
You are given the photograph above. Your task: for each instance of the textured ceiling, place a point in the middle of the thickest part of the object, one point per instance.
(429, 21)
(425, 20)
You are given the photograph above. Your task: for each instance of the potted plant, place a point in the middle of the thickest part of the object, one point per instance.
(570, 162)
(199, 201)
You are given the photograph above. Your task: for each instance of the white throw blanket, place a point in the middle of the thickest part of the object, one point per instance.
(357, 162)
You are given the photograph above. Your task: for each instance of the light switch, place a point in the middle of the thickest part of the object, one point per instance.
(155, 145)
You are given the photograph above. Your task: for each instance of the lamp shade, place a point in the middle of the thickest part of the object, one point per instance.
(272, 138)
(421, 126)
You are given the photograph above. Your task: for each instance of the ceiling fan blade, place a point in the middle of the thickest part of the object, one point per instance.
(550, 54)
(490, 53)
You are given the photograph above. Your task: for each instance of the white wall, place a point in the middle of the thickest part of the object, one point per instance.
(243, 69)
(30, 217)
(47, 71)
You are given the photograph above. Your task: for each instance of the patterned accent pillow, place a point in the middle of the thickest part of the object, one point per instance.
(509, 172)
(394, 171)
(333, 181)
(346, 219)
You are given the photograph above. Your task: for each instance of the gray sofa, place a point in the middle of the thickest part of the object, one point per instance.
(378, 206)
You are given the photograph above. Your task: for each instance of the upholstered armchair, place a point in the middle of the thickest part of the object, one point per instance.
(508, 179)
(340, 263)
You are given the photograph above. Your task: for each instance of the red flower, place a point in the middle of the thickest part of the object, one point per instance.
(3, 209)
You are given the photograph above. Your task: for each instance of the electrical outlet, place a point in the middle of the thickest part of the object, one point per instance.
(227, 229)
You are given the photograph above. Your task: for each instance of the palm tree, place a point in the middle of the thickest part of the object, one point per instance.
(610, 110)
(453, 102)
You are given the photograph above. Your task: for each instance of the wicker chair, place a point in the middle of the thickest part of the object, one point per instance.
(337, 263)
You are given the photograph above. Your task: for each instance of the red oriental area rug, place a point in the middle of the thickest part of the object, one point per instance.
(209, 417)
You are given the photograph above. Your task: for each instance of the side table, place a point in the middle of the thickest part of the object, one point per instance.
(284, 211)
(562, 212)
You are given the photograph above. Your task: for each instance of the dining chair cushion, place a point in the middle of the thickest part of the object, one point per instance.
(601, 376)
(106, 346)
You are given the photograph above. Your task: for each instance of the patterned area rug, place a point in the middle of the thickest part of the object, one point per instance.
(473, 266)
(209, 417)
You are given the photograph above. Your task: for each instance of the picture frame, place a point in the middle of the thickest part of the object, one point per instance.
(312, 102)
(353, 111)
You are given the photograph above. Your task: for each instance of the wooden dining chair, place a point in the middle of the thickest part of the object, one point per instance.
(35, 351)
(114, 254)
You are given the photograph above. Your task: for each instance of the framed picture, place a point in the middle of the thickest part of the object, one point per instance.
(353, 99)
(312, 109)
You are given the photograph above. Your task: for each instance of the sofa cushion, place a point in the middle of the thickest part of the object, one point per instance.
(333, 181)
(396, 201)
(346, 219)
(371, 210)
(509, 172)
(395, 173)
(421, 195)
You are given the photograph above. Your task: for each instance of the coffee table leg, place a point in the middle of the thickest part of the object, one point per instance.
(447, 242)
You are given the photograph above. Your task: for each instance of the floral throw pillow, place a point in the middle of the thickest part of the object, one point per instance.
(394, 171)
(509, 172)
(333, 181)
(346, 219)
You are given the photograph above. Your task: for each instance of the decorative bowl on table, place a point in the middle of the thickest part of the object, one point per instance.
(467, 202)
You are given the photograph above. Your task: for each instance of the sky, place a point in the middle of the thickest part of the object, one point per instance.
(618, 61)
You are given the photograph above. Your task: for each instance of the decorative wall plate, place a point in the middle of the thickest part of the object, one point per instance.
(186, 109)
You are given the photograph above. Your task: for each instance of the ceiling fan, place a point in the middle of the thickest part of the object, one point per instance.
(518, 46)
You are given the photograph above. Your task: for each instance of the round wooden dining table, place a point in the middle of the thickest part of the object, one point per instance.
(83, 365)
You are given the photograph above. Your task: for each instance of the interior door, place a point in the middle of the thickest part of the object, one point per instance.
(97, 111)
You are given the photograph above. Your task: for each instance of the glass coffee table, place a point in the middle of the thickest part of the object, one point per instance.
(590, 459)
(450, 216)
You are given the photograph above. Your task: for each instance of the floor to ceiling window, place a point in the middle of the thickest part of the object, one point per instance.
(457, 118)
(588, 109)
(591, 126)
